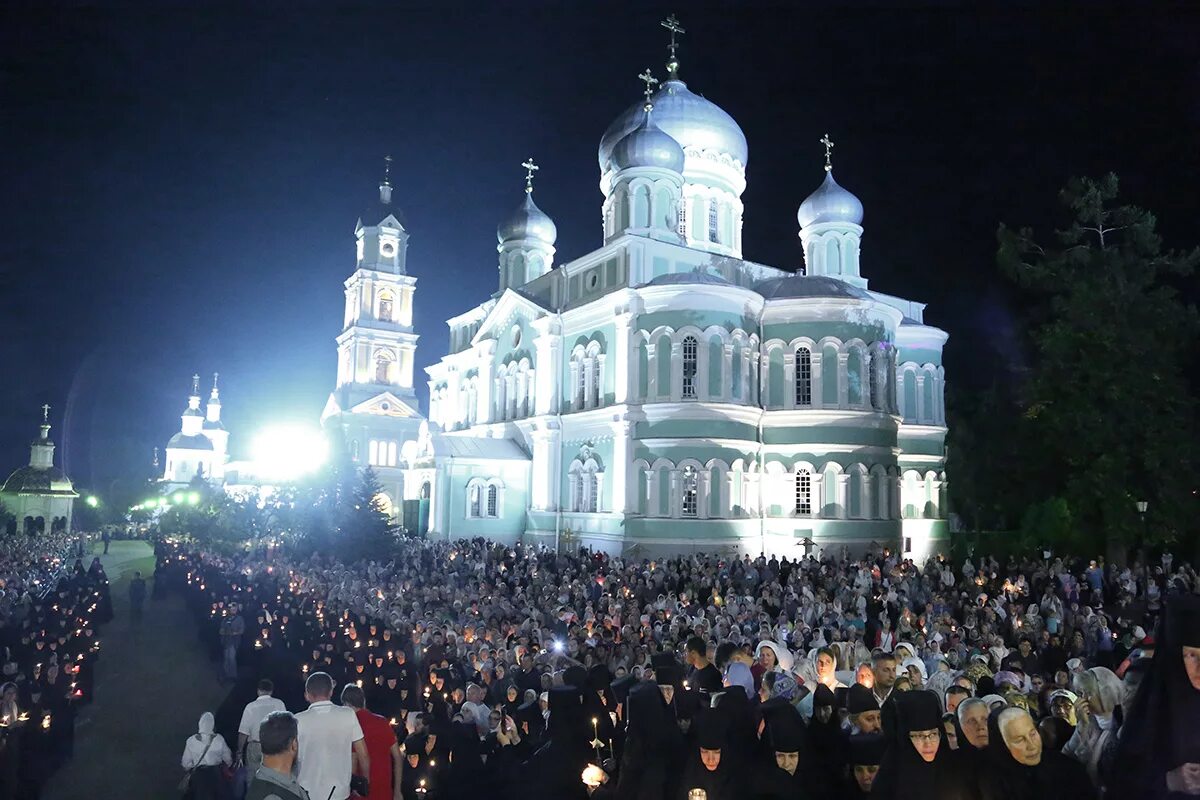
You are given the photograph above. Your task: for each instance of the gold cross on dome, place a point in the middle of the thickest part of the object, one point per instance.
(196, 383)
(45, 413)
(530, 168)
(672, 24)
(825, 140)
(650, 81)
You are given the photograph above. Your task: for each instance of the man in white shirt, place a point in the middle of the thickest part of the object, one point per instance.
(249, 750)
(328, 735)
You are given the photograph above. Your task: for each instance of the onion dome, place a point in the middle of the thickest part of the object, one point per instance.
(798, 286)
(37, 480)
(689, 119)
(648, 146)
(527, 222)
(830, 203)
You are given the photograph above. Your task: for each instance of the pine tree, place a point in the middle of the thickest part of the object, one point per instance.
(366, 531)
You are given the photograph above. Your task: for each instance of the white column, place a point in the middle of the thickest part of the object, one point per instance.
(703, 487)
(843, 495)
(548, 365)
(623, 499)
(674, 496)
(789, 379)
(843, 380)
(921, 411)
(600, 376)
(818, 390)
(677, 374)
(623, 360)
(652, 503)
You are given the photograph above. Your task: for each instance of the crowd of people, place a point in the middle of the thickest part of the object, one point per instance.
(51, 610)
(471, 668)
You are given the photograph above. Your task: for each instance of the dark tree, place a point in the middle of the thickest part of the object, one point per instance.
(366, 531)
(1108, 403)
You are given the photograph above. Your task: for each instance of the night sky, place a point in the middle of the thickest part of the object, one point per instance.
(181, 186)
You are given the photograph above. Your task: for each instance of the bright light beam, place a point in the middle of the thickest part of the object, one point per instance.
(286, 452)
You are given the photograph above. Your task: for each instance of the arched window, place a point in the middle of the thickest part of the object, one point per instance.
(593, 492)
(690, 494)
(690, 346)
(493, 501)
(594, 366)
(803, 493)
(714, 234)
(474, 501)
(683, 219)
(385, 307)
(373, 452)
(581, 387)
(873, 377)
(383, 367)
(391, 454)
(803, 376)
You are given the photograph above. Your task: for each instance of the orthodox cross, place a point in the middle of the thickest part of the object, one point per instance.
(196, 383)
(530, 168)
(387, 170)
(672, 24)
(825, 140)
(215, 374)
(650, 82)
(45, 413)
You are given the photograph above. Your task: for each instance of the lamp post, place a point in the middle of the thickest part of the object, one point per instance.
(1141, 506)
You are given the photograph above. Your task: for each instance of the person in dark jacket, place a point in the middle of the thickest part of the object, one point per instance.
(280, 740)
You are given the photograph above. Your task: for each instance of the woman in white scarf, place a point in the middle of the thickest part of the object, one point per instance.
(203, 754)
(1101, 692)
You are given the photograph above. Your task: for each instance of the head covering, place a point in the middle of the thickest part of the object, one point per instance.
(712, 732)
(917, 710)
(860, 699)
(738, 674)
(207, 723)
(784, 687)
(783, 656)
(866, 750)
(1102, 683)
(786, 733)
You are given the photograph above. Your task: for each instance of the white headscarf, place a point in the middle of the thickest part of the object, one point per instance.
(207, 724)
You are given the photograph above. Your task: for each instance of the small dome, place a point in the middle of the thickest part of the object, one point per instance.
(691, 276)
(647, 146)
(183, 442)
(830, 203)
(36, 480)
(796, 286)
(687, 118)
(528, 222)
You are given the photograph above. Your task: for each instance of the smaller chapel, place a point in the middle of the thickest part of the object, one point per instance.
(40, 495)
(201, 448)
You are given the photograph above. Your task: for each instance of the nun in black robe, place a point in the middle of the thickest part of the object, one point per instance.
(653, 746)
(904, 773)
(825, 735)
(722, 780)
(1158, 753)
(784, 736)
(1054, 775)
(559, 763)
(864, 754)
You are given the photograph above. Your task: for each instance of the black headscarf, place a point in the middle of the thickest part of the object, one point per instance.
(1161, 730)
(904, 775)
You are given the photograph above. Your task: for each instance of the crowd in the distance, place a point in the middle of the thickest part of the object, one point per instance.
(516, 672)
(51, 609)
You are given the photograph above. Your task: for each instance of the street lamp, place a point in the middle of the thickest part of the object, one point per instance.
(92, 501)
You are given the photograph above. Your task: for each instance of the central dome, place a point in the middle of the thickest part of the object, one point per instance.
(527, 222)
(687, 118)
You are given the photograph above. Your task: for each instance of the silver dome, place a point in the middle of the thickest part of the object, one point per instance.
(687, 118)
(648, 146)
(830, 203)
(691, 276)
(797, 286)
(527, 222)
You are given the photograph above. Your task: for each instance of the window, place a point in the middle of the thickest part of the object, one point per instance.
(474, 508)
(595, 368)
(493, 501)
(577, 505)
(689, 366)
(874, 379)
(391, 454)
(372, 452)
(683, 219)
(385, 307)
(907, 544)
(353, 452)
(713, 222)
(804, 493)
(803, 376)
(383, 367)
(581, 389)
(593, 493)
(689, 496)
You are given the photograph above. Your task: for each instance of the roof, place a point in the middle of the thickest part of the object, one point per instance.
(691, 276)
(181, 442)
(798, 286)
(36, 480)
(472, 447)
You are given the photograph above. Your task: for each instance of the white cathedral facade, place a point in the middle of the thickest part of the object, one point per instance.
(660, 393)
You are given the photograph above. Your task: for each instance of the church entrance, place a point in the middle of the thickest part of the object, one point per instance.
(423, 510)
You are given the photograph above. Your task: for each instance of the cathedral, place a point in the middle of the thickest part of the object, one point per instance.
(201, 448)
(660, 393)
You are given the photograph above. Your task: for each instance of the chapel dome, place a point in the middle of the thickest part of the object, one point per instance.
(527, 222)
(830, 203)
(799, 286)
(687, 118)
(182, 441)
(647, 146)
(38, 480)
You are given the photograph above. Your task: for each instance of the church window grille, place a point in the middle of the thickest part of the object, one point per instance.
(383, 368)
(593, 490)
(385, 308)
(690, 499)
(803, 493)
(493, 501)
(577, 505)
(476, 502)
(581, 389)
(690, 346)
(803, 376)
(595, 368)
(713, 222)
